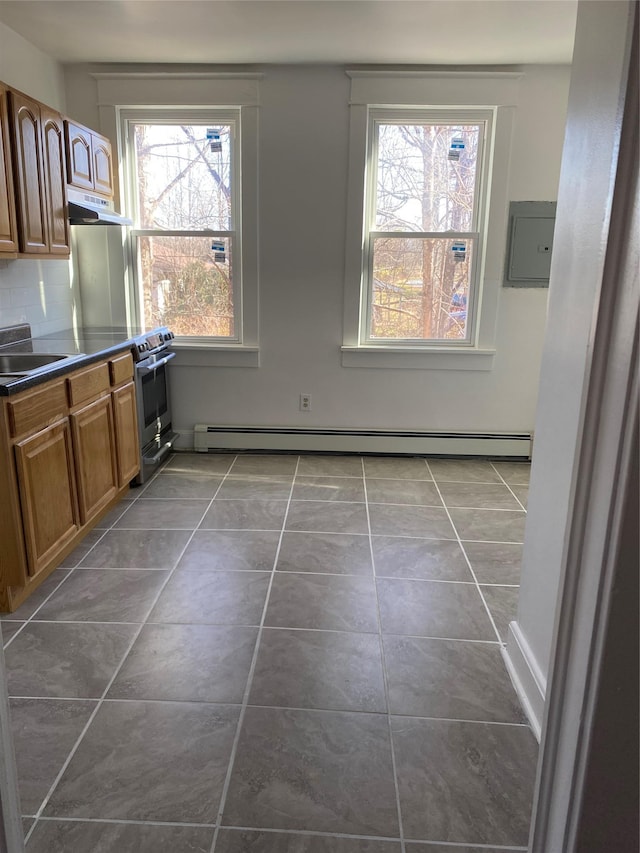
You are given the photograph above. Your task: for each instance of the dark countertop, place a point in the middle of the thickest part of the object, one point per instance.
(84, 344)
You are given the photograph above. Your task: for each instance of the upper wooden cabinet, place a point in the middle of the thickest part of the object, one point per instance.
(55, 180)
(89, 159)
(8, 229)
(40, 154)
(40, 176)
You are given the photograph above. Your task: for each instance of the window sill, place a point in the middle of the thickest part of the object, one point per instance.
(215, 355)
(418, 358)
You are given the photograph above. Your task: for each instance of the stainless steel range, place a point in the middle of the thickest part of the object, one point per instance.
(152, 354)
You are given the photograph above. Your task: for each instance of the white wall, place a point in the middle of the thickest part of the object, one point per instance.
(40, 292)
(303, 165)
(303, 159)
(582, 230)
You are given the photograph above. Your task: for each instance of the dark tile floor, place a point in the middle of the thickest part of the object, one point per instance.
(280, 654)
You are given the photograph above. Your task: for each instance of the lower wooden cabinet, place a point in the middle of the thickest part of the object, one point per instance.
(126, 429)
(46, 479)
(95, 457)
(69, 449)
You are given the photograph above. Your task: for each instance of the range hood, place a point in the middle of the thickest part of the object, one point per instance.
(87, 209)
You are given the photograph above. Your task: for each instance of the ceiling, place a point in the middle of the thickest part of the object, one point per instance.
(449, 32)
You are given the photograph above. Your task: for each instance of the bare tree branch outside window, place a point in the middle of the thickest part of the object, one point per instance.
(184, 183)
(420, 286)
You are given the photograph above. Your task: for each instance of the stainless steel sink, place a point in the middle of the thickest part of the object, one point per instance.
(27, 362)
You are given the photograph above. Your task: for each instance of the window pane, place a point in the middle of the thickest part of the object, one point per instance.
(186, 285)
(183, 177)
(420, 288)
(426, 177)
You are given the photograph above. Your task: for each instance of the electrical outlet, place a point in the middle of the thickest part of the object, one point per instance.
(305, 402)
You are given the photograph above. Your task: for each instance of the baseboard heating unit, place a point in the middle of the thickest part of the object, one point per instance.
(412, 442)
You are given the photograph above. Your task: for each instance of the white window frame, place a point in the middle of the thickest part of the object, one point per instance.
(467, 91)
(205, 116)
(123, 88)
(424, 115)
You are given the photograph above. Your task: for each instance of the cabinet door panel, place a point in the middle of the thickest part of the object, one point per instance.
(79, 158)
(47, 493)
(56, 181)
(93, 442)
(126, 423)
(28, 176)
(8, 232)
(102, 165)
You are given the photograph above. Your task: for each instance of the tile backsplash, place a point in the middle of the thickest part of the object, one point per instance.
(39, 292)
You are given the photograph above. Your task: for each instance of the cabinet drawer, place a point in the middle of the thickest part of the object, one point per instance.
(90, 383)
(33, 410)
(121, 368)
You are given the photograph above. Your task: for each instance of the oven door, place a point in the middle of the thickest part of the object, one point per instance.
(154, 411)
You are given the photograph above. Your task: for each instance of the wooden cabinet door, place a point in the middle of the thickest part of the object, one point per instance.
(94, 450)
(47, 493)
(126, 427)
(55, 180)
(28, 174)
(8, 232)
(79, 156)
(102, 165)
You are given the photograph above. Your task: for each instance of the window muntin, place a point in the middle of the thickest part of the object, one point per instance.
(184, 190)
(424, 181)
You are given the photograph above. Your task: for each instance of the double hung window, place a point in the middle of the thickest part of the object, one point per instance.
(184, 196)
(425, 191)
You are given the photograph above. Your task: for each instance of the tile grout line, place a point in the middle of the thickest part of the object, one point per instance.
(122, 822)
(71, 569)
(473, 574)
(384, 668)
(508, 486)
(454, 845)
(245, 704)
(123, 701)
(252, 668)
(101, 699)
(278, 627)
(325, 500)
(307, 532)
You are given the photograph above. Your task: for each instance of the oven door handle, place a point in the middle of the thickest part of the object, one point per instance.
(143, 369)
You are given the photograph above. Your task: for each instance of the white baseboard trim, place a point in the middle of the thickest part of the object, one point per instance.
(527, 678)
(212, 437)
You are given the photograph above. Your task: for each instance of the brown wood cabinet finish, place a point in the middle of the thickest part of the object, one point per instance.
(88, 383)
(36, 409)
(68, 450)
(37, 141)
(102, 165)
(95, 456)
(8, 225)
(55, 181)
(46, 479)
(79, 158)
(126, 429)
(40, 152)
(89, 159)
(28, 174)
(121, 368)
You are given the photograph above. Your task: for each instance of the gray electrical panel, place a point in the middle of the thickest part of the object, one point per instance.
(530, 243)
